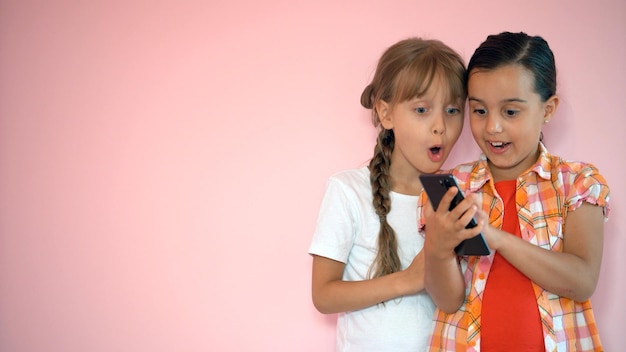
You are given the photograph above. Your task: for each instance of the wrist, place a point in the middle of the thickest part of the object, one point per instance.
(400, 283)
(440, 256)
(497, 239)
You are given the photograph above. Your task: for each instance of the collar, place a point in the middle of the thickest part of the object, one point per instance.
(481, 174)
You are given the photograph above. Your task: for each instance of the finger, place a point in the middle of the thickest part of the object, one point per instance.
(462, 208)
(481, 215)
(473, 197)
(468, 215)
(446, 200)
(469, 233)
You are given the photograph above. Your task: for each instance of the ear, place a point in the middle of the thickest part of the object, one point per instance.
(550, 108)
(384, 114)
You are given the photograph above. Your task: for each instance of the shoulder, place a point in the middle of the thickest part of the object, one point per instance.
(352, 178)
(553, 167)
(558, 169)
(352, 185)
(579, 181)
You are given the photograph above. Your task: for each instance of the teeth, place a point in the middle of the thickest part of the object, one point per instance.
(497, 144)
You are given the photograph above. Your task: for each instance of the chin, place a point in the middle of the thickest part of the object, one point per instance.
(433, 169)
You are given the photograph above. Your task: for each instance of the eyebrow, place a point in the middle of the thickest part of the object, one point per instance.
(510, 100)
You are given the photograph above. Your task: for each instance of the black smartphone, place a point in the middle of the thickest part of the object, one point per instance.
(436, 185)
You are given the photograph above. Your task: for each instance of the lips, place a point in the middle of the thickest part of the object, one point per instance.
(435, 153)
(498, 147)
(498, 144)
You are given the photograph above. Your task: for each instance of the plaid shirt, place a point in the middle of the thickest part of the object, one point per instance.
(545, 194)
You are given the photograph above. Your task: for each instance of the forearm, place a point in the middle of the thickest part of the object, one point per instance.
(445, 229)
(444, 282)
(345, 296)
(564, 274)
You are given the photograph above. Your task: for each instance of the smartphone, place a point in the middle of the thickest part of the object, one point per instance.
(436, 185)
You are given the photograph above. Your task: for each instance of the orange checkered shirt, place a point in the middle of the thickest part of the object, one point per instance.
(545, 194)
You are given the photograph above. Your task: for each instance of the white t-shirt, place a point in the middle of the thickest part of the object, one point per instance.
(347, 231)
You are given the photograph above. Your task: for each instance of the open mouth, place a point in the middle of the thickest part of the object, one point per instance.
(498, 145)
(435, 150)
(435, 154)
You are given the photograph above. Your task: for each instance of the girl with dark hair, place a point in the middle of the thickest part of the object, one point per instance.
(543, 215)
(367, 261)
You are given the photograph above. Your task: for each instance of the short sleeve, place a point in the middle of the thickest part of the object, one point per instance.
(591, 187)
(336, 223)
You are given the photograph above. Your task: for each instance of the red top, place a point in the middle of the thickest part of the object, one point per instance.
(510, 318)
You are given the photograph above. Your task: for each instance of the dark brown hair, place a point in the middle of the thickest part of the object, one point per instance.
(532, 52)
(405, 71)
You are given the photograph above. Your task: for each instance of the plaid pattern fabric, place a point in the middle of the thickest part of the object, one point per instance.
(545, 194)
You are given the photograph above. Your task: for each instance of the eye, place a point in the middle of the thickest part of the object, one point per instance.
(453, 111)
(421, 110)
(510, 112)
(480, 111)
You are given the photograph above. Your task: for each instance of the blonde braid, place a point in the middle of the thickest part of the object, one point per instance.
(387, 260)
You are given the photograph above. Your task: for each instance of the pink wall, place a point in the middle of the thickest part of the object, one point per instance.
(162, 163)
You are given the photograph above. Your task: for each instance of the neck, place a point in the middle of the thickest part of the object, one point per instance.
(513, 172)
(411, 187)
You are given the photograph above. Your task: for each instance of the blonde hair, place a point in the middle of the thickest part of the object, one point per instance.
(405, 71)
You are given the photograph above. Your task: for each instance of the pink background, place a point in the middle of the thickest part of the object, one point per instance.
(162, 162)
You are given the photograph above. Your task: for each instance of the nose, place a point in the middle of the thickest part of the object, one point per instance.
(494, 125)
(439, 125)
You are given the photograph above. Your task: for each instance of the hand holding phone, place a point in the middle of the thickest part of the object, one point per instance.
(436, 185)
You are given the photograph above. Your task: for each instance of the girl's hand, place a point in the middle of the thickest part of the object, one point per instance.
(413, 275)
(492, 235)
(445, 229)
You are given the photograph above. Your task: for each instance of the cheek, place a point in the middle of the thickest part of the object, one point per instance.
(533, 127)
(406, 136)
(477, 127)
(454, 128)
